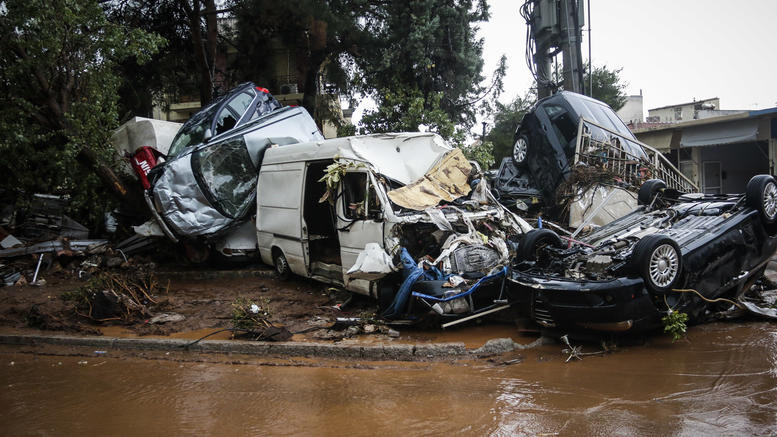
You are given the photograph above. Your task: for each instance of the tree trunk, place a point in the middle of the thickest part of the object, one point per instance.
(200, 55)
(212, 34)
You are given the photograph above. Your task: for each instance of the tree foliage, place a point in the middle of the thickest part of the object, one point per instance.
(426, 49)
(482, 152)
(58, 96)
(408, 110)
(185, 67)
(607, 85)
(506, 120)
(319, 36)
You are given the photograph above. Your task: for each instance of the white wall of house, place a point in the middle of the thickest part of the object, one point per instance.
(632, 111)
(683, 111)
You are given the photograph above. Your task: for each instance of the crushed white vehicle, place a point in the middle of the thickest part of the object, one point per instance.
(399, 217)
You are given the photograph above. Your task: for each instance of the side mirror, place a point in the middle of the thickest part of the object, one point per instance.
(207, 136)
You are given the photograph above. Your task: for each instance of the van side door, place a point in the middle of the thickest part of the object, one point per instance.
(359, 221)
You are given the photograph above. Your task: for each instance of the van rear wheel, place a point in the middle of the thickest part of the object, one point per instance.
(282, 268)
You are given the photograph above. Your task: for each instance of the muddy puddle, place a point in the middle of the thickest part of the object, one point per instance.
(723, 380)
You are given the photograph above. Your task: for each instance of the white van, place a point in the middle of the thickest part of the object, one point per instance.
(384, 192)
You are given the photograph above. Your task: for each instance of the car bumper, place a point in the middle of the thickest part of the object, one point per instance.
(618, 305)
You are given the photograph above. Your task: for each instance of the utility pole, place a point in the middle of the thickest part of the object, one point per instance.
(556, 27)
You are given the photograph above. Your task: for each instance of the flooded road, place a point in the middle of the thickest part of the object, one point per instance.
(723, 380)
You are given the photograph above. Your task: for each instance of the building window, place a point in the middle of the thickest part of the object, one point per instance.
(678, 114)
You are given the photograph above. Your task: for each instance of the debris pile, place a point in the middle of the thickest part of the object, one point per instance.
(254, 318)
(116, 297)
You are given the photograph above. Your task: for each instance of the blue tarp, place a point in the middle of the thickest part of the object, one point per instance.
(411, 273)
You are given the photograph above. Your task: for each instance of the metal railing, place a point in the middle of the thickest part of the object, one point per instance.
(611, 156)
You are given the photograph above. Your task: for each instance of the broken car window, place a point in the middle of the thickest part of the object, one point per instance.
(241, 102)
(192, 132)
(229, 175)
(562, 123)
(354, 195)
(359, 194)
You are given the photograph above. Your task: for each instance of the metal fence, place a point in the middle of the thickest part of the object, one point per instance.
(610, 155)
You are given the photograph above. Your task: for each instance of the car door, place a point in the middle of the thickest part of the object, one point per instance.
(359, 218)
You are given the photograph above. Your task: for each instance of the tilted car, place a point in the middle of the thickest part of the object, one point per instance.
(242, 104)
(676, 251)
(545, 141)
(211, 187)
(567, 132)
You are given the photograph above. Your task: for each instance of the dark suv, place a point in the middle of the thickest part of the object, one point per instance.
(545, 141)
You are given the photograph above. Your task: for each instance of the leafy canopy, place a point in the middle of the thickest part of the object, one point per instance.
(424, 59)
(58, 96)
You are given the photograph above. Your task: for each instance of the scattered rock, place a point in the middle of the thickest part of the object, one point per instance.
(496, 346)
(166, 317)
(393, 333)
(369, 329)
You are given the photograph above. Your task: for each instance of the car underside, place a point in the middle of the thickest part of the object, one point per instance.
(677, 251)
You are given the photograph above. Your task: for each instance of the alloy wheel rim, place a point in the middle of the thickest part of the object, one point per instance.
(770, 200)
(519, 149)
(664, 264)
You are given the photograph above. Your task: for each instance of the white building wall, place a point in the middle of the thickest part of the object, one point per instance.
(632, 111)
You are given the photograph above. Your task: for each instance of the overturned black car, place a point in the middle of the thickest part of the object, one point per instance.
(676, 251)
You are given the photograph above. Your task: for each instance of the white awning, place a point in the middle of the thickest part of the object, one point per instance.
(716, 134)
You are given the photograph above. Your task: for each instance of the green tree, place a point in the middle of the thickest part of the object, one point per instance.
(185, 67)
(482, 152)
(407, 110)
(506, 120)
(426, 48)
(58, 97)
(607, 86)
(320, 38)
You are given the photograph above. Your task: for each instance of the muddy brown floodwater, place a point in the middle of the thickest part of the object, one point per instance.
(722, 381)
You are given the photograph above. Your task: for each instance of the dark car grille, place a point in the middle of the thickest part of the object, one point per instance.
(541, 314)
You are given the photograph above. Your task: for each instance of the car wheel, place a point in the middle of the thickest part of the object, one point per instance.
(534, 241)
(762, 195)
(520, 149)
(648, 190)
(282, 268)
(196, 252)
(657, 259)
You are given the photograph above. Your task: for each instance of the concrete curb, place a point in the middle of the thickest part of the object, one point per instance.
(379, 352)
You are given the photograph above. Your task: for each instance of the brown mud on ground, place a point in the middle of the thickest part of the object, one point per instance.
(307, 308)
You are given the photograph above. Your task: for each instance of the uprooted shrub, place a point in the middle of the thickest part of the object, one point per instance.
(253, 317)
(115, 297)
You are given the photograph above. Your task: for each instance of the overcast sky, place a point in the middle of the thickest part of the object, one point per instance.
(672, 50)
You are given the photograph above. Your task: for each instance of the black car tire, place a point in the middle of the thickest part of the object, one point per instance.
(762, 195)
(520, 150)
(648, 190)
(657, 259)
(282, 268)
(536, 239)
(196, 252)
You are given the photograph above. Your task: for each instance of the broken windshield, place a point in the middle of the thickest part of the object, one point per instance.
(193, 131)
(604, 116)
(227, 176)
